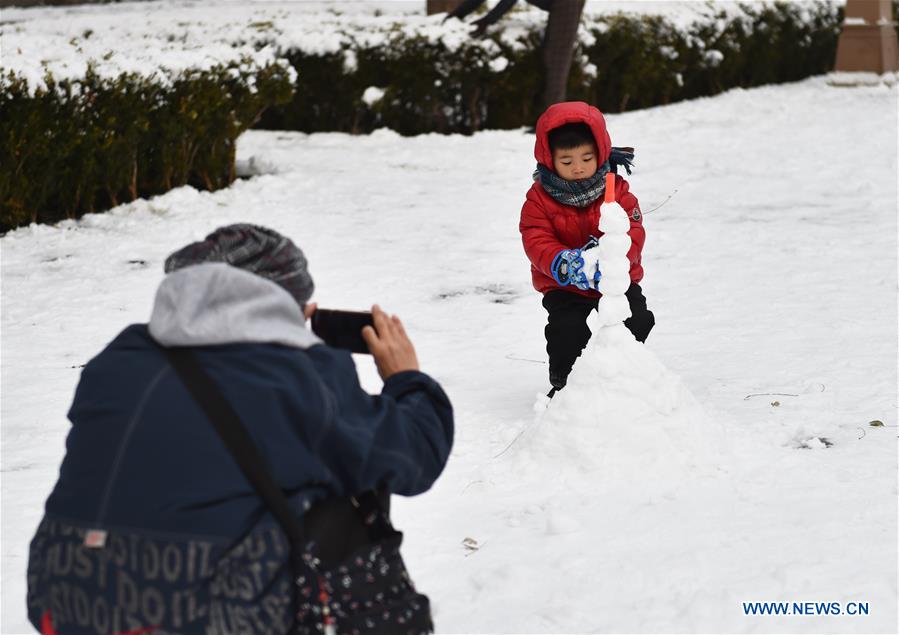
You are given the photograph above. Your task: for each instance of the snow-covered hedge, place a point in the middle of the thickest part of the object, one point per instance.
(100, 104)
(416, 76)
(762, 44)
(87, 126)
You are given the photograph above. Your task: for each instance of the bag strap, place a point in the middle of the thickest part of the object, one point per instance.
(226, 422)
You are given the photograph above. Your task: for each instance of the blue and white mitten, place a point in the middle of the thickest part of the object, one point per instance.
(567, 268)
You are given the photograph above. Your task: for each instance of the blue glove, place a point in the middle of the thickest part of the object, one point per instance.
(568, 268)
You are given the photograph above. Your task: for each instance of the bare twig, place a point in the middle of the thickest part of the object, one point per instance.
(779, 394)
(524, 359)
(512, 442)
(670, 196)
(769, 394)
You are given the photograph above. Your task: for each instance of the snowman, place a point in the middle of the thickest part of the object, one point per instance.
(614, 266)
(622, 409)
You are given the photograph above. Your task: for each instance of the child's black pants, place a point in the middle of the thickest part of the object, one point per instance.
(566, 327)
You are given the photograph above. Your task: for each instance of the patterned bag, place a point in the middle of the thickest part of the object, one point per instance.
(357, 572)
(345, 557)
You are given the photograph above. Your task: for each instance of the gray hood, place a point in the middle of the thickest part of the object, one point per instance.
(215, 303)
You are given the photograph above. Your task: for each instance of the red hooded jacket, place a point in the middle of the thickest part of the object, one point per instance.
(547, 226)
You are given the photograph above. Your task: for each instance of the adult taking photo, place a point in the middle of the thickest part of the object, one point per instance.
(226, 473)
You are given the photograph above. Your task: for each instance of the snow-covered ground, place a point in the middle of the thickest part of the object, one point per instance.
(772, 273)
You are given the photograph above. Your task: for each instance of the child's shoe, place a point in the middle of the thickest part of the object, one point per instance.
(557, 380)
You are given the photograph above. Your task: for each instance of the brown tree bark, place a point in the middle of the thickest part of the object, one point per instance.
(558, 48)
(442, 6)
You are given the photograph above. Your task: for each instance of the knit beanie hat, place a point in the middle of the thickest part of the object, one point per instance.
(252, 248)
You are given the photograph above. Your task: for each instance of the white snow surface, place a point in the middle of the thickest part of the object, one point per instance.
(728, 460)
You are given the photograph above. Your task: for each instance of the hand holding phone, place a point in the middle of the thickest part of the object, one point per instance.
(376, 333)
(389, 344)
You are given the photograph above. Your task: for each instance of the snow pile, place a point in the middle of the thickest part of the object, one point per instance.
(852, 79)
(623, 414)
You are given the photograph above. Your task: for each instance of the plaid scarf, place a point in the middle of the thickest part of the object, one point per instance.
(580, 193)
(583, 192)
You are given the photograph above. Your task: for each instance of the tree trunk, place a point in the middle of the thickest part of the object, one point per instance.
(442, 6)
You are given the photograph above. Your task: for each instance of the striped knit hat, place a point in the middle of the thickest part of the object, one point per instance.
(252, 248)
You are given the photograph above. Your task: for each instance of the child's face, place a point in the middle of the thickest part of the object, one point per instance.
(573, 164)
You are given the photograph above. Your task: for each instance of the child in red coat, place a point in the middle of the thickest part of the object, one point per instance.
(559, 229)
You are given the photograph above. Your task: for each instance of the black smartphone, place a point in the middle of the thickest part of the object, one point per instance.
(342, 329)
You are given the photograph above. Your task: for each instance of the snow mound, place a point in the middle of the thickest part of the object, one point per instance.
(624, 415)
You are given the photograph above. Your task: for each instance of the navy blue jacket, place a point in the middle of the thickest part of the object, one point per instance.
(151, 522)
